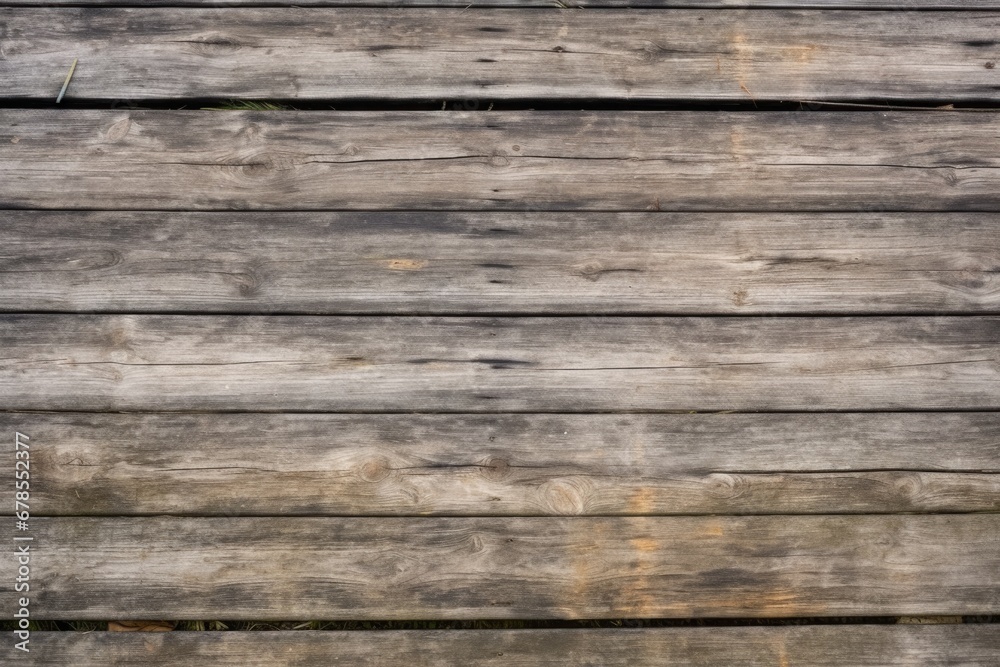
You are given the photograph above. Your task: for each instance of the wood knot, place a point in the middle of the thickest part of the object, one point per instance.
(499, 159)
(495, 469)
(374, 470)
(247, 282)
(726, 486)
(591, 270)
(211, 42)
(563, 497)
(476, 544)
(118, 130)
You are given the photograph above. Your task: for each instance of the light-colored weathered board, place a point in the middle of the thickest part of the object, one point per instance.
(636, 161)
(499, 263)
(512, 465)
(562, 364)
(816, 646)
(291, 568)
(551, 4)
(434, 54)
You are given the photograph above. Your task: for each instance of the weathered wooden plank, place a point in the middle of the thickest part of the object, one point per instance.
(818, 645)
(512, 465)
(549, 567)
(552, 4)
(499, 263)
(490, 160)
(434, 54)
(374, 364)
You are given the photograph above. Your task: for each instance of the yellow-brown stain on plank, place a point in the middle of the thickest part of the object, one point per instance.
(641, 501)
(713, 528)
(637, 598)
(402, 264)
(801, 53)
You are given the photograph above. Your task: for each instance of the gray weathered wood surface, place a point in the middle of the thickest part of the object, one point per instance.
(628, 161)
(499, 263)
(816, 646)
(550, 4)
(126, 362)
(432, 568)
(513, 465)
(498, 54)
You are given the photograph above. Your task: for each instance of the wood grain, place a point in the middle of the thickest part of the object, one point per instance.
(433, 568)
(375, 364)
(510, 465)
(627, 161)
(499, 54)
(550, 4)
(817, 646)
(500, 263)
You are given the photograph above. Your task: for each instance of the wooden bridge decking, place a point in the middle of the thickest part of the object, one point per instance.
(619, 309)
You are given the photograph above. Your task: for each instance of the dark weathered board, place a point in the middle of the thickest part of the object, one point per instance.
(497, 54)
(109, 362)
(500, 263)
(816, 646)
(514, 465)
(291, 568)
(637, 161)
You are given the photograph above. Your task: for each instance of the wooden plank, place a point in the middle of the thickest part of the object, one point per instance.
(375, 364)
(549, 567)
(551, 4)
(183, 160)
(818, 646)
(511, 465)
(499, 263)
(435, 54)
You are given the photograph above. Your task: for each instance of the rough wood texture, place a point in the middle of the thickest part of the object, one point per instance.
(551, 4)
(434, 54)
(817, 646)
(373, 364)
(499, 160)
(431, 568)
(499, 263)
(515, 465)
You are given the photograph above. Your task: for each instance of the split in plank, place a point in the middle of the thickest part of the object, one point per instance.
(511, 465)
(291, 568)
(817, 646)
(500, 263)
(500, 54)
(627, 161)
(562, 364)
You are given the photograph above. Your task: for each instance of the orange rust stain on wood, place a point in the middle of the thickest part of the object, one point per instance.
(714, 529)
(641, 501)
(404, 264)
(802, 53)
(644, 544)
